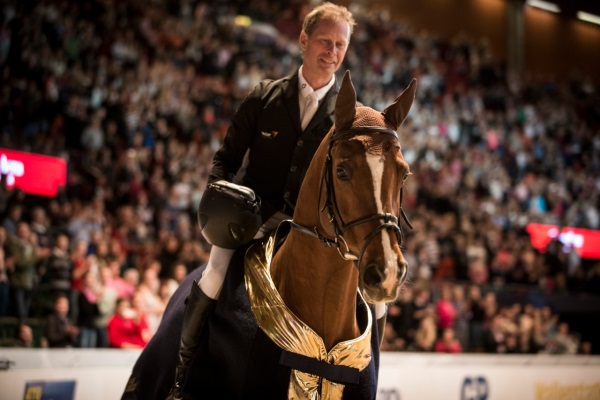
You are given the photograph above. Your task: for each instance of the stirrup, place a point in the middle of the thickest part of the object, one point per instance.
(175, 393)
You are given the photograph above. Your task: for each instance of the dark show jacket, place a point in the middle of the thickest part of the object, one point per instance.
(268, 124)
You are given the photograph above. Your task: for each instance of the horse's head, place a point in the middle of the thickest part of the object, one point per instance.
(362, 186)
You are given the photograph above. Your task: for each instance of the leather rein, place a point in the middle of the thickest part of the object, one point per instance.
(339, 227)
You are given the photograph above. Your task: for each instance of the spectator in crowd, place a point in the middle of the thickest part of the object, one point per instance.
(109, 274)
(461, 319)
(80, 262)
(41, 228)
(131, 276)
(168, 255)
(23, 255)
(88, 310)
(12, 218)
(402, 320)
(58, 329)
(540, 333)
(448, 343)
(4, 284)
(494, 336)
(391, 341)
(137, 303)
(421, 306)
(170, 285)
(23, 336)
(477, 318)
(150, 300)
(585, 348)
(563, 341)
(425, 336)
(107, 300)
(58, 268)
(92, 138)
(126, 328)
(526, 339)
(445, 311)
(512, 345)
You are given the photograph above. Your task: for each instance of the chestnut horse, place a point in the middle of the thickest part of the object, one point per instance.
(296, 321)
(350, 201)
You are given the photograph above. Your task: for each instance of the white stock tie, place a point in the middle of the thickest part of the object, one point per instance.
(312, 103)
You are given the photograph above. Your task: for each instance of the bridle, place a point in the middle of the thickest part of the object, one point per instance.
(339, 227)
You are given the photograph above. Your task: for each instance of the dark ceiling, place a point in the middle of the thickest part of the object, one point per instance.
(570, 7)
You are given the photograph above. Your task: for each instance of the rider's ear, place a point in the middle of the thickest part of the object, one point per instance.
(302, 40)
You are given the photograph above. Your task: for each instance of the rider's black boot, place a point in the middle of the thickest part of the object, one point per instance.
(198, 308)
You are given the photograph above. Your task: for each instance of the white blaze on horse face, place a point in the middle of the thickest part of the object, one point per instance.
(377, 165)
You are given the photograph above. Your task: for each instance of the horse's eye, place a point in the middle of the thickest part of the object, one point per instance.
(405, 177)
(343, 173)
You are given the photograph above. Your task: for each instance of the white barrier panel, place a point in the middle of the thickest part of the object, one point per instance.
(412, 376)
(102, 375)
(98, 374)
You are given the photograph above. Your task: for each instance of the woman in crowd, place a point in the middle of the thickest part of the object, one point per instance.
(127, 329)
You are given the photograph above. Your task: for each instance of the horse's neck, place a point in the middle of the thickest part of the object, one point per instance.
(318, 286)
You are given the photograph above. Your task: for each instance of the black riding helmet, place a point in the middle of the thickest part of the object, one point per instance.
(229, 214)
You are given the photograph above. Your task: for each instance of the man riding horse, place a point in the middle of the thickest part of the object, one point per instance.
(280, 124)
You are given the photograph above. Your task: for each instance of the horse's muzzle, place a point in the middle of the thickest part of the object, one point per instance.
(381, 283)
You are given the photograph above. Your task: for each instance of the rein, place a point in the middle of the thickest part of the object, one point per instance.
(390, 221)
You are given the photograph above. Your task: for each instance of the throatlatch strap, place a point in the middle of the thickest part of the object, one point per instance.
(334, 373)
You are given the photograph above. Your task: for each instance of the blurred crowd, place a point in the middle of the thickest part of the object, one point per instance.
(137, 95)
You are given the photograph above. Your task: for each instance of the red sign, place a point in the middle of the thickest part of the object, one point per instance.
(585, 241)
(33, 173)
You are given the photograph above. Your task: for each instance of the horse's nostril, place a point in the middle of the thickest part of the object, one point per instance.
(402, 270)
(372, 277)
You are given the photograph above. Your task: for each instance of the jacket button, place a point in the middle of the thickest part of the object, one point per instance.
(293, 168)
(300, 143)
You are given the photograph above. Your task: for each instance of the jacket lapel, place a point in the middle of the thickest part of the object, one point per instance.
(290, 95)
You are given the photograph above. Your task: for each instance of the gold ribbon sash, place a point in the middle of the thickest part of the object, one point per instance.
(293, 335)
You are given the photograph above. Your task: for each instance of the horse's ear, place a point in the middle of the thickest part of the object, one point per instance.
(345, 105)
(396, 112)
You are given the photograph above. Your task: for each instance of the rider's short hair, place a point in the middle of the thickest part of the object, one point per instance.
(327, 11)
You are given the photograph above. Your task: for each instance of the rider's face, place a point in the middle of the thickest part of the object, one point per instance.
(324, 50)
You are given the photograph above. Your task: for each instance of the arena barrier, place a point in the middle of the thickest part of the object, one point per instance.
(86, 374)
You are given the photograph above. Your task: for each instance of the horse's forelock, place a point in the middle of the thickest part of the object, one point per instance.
(374, 144)
(366, 116)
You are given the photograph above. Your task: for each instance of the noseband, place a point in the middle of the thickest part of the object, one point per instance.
(339, 227)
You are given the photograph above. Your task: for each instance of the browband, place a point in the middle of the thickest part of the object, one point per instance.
(353, 131)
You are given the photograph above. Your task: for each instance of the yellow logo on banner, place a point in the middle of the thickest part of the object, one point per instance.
(33, 393)
(555, 391)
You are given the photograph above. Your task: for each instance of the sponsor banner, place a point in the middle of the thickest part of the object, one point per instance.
(32, 173)
(585, 241)
(50, 390)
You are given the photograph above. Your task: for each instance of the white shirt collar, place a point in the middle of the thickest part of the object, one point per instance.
(306, 89)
